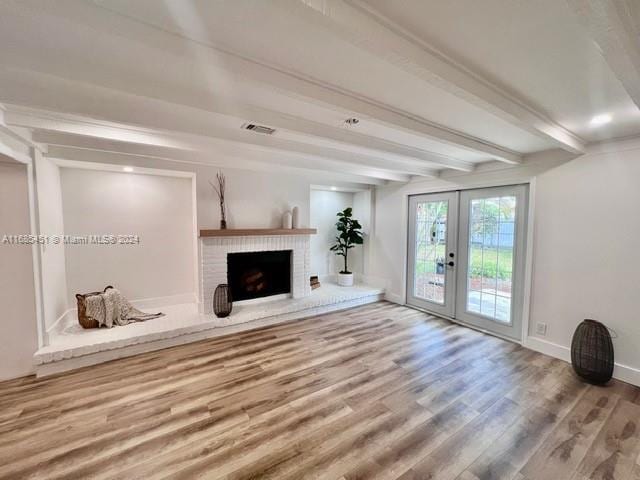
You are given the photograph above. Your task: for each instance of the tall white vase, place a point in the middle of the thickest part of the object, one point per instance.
(286, 220)
(295, 217)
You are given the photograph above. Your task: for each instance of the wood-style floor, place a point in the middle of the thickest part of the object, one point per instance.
(380, 391)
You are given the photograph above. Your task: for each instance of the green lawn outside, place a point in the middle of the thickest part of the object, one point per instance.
(497, 261)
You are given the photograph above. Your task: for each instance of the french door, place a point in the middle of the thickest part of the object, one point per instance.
(466, 256)
(432, 246)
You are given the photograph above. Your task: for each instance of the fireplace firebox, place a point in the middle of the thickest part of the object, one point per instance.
(258, 274)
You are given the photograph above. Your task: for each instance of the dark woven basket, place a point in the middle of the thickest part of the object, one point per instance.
(83, 319)
(592, 352)
(222, 304)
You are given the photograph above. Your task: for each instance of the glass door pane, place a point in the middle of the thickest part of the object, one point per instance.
(432, 238)
(491, 260)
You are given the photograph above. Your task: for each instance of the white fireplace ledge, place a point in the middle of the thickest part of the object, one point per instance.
(72, 347)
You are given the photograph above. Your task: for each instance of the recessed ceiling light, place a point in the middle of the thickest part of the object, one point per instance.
(600, 120)
(334, 188)
(127, 169)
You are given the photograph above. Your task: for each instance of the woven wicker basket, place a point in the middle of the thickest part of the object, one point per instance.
(592, 354)
(222, 303)
(84, 320)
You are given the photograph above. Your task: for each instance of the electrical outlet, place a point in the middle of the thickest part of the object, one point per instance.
(541, 328)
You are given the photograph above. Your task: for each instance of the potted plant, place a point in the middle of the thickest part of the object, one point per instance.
(349, 235)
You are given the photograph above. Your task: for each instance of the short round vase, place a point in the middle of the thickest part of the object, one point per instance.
(592, 354)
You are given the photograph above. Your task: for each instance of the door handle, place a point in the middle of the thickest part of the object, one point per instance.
(451, 264)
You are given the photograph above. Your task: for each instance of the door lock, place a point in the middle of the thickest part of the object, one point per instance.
(451, 264)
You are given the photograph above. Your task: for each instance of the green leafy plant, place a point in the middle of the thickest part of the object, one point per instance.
(349, 235)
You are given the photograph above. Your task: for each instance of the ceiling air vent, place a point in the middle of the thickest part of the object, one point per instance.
(258, 128)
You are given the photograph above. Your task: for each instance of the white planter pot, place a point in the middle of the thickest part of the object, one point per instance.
(345, 279)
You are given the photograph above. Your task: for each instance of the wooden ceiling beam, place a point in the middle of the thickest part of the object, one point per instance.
(614, 26)
(245, 156)
(351, 139)
(147, 159)
(360, 24)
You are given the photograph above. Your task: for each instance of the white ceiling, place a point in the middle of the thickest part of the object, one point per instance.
(435, 85)
(538, 49)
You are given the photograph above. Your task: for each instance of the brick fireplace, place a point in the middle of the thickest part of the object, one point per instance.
(215, 248)
(253, 275)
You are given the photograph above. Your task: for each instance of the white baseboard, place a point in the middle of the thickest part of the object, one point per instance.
(627, 374)
(621, 372)
(394, 298)
(548, 348)
(18, 372)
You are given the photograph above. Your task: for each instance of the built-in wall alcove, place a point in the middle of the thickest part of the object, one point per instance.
(325, 202)
(169, 259)
(134, 229)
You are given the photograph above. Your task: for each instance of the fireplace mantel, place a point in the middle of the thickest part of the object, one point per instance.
(253, 232)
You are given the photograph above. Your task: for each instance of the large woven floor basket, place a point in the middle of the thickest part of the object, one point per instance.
(592, 352)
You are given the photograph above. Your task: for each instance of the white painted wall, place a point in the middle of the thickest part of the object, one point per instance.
(325, 204)
(53, 268)
(156, 208)
(390, 239)
(363, 209)
(255, 199)
(18, 327)
(587, 250)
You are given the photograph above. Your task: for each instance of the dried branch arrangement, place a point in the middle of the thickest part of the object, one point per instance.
(220, 189)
